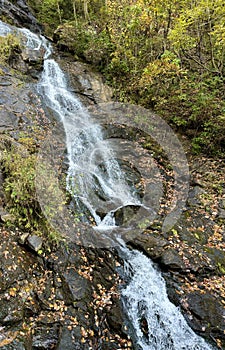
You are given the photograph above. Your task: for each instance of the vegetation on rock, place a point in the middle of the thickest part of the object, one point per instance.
(9, 46)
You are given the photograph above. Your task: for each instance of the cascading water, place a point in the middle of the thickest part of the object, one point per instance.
(144, 297)
(86, 171)
(158, 324)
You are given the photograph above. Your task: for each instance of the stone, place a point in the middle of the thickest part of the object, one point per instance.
(13, 345)
(8, 120)
(5, 216)
(23, 238)
(19, 13)
(75, 287)
(86, 83)
(35, 242)
(11, 311)
(208, 314)
(2, 195)
(124, 214)
(33, 58)
(221, 213)
(217, 258)
(115, 317)
(152, 245)
(20, 260)
(222, 203)
(5, 83)
(171, 260)
(68, 341)
(193, 197)
(45, 337)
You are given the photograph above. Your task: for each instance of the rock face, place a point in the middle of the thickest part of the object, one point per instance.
(19, 14)
(64, 301)
(86, 83)
(209, 309)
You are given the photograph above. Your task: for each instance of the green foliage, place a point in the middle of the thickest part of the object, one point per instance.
(50, 14)
(99, 49)
(19, 188)
(198, 35)
(75, 37)
(9, 46)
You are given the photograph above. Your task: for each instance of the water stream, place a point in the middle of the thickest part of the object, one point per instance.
(93, 167)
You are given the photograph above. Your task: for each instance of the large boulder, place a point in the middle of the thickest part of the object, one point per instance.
(207, 314)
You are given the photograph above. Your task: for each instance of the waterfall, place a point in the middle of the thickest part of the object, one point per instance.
(157, 323)
(87, 170)
(92, 167)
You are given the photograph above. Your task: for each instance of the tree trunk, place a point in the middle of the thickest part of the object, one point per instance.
(59, 13)
(86, 14)
(75, 11)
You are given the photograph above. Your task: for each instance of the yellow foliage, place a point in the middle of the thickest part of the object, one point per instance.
(10, 336)
(8, 45)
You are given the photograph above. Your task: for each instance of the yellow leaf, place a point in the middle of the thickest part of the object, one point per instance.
(8, 340)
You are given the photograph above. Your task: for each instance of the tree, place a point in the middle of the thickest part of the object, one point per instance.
(198, 35)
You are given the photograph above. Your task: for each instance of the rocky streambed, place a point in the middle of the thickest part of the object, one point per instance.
(67, 296)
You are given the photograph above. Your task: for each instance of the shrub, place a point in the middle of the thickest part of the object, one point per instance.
(9, 46)
(19, 186)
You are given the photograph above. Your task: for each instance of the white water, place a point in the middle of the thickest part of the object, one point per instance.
(91, 163)
(144, 296)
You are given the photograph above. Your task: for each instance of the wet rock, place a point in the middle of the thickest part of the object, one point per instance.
(133, 177)
(81, 211)
(33, 58)
(151, 244)
(173, 286)
(115, 317)
(75, 287)
(45, 337)
(207, 312)
(86, 83)
(19, 13)
(35, 242)
(144, 326)
(171, 260)
(125, 214)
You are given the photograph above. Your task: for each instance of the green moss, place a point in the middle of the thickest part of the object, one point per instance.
(9, 46)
